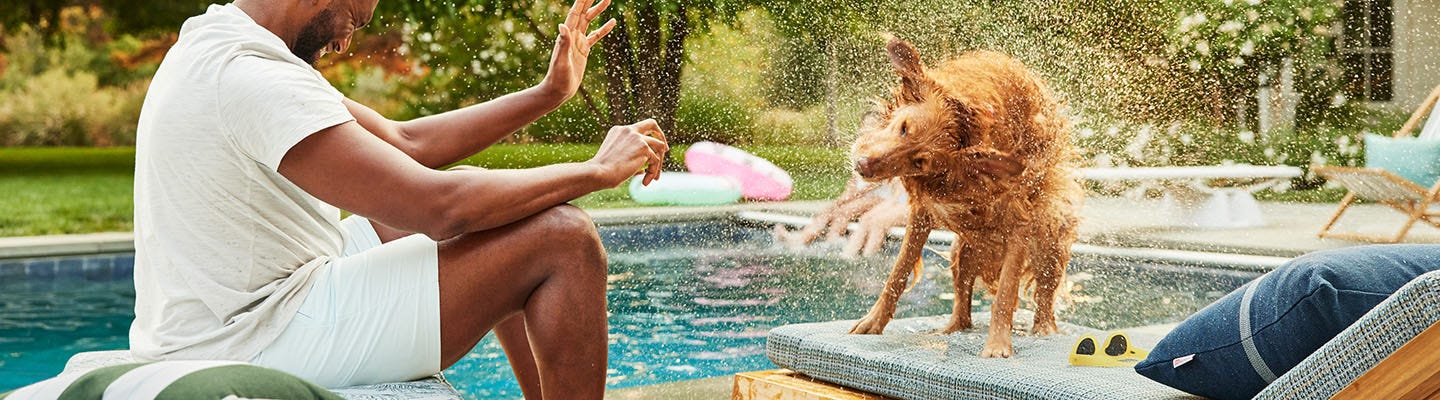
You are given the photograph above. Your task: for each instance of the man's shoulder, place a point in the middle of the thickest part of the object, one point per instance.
(228, 41)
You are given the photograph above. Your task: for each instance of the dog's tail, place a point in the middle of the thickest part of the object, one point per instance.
(916, 273)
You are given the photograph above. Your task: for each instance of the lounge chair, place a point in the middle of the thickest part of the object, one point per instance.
(1190, 199)
(1386, 187)
(432, 388)
(1387, 354)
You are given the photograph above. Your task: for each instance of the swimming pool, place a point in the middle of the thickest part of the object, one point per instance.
(687, 301)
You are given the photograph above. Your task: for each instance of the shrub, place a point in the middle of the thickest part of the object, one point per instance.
(571, 123)
(714, 118)
(61, 108)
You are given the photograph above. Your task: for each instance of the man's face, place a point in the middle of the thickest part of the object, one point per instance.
(331, 29)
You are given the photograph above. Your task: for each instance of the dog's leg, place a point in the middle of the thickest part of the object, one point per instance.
(880, 314)
(1002, 312)
(963, 271)
(1050, 263)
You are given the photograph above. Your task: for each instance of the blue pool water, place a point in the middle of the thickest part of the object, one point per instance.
(687, 301)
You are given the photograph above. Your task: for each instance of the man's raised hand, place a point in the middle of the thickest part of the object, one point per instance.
(572, 47)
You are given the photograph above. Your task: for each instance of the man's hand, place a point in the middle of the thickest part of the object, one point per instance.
(629, 148)
(572, 48)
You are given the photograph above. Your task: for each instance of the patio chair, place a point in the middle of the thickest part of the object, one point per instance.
(1386, 187)
(1387, 354)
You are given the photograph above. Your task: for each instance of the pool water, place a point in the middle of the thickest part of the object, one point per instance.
(687, 301)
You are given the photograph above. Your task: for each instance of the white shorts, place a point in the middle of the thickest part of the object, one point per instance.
(373, 315)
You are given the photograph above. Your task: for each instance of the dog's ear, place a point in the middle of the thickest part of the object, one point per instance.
(968, 122)
(913, 82)
(994, 162)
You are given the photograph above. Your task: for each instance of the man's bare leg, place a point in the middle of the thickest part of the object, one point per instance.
(510, 332)
(549, 267)
(516, 343)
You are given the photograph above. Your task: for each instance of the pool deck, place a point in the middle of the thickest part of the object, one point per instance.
(1107, 221)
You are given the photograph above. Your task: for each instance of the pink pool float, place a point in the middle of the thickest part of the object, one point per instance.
(759, 178)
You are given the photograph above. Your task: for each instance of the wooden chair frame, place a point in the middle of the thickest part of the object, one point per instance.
(1399, 193)
(1412, 372)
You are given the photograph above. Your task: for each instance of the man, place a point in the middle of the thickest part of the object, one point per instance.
(246, 155)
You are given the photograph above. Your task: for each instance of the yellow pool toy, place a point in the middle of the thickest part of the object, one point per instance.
(1117, 352)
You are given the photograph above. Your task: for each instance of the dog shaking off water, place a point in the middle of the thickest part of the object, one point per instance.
(981, 147)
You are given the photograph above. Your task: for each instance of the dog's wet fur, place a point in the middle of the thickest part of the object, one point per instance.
(981, 146)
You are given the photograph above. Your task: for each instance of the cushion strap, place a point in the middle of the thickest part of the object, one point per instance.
(147, 381)
(1247, 339)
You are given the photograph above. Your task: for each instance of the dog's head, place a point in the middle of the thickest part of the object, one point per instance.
(923, 131)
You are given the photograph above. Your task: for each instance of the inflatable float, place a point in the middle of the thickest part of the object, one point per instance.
(759, 178)
(685, 189)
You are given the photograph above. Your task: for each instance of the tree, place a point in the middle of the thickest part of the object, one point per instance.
(640, 61)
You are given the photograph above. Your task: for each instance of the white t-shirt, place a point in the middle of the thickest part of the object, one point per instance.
(225, 247)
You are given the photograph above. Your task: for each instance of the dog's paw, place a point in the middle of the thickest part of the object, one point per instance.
(870, 325)
(956, 326)
(1045, 329)
(993, 350)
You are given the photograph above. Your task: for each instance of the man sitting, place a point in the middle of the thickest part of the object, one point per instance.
(246, 156)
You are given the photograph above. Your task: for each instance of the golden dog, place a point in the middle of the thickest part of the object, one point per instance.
(981, 147)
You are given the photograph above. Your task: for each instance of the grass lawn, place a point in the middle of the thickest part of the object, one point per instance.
(47, 191)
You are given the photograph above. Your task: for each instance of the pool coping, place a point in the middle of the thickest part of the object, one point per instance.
(788, 213)
(123, 242)
(1230, 261)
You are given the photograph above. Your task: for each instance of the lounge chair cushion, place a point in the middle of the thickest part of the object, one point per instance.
(432, 388)
(1415, 159)
(174, 380)
(911, 361)
(1235, 347)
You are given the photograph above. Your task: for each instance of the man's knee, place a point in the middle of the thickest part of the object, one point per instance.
(571, 228)
(569, 222)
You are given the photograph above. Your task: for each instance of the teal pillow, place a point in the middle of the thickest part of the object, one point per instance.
(1415, 159)
(182, 380)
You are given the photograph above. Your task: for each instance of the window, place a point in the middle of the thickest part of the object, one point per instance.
(1365, 50)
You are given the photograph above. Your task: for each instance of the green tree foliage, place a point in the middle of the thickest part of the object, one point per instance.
(495, 47)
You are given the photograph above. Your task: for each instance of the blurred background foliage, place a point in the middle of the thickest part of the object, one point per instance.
(1147, 82)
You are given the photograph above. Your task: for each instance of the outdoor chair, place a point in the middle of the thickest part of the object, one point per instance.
(1387, 354)
(1384, 186)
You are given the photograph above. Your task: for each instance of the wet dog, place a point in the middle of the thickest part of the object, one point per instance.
(981, 147)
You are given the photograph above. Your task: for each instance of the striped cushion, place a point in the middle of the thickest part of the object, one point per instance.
(174, 380)
(432, 388)
(910, 361)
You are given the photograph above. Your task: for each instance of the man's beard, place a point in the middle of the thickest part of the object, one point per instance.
(315, 36)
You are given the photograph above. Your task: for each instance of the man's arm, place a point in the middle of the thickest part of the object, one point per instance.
(442, 139)
(354, 170)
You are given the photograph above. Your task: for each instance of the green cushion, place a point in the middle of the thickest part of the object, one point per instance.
(187, 380)
(1415, 159)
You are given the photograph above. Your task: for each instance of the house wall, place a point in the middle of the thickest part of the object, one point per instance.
(1417, 52)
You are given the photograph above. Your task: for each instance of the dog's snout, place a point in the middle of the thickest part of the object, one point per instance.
(863, 167)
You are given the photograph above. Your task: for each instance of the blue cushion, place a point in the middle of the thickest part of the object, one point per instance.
(1415, 159)
(1235, 347)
